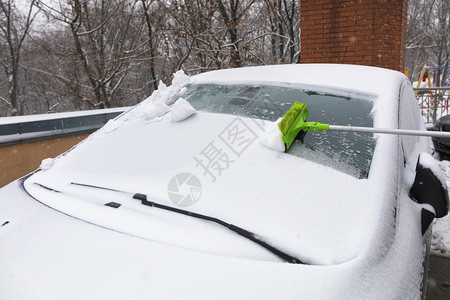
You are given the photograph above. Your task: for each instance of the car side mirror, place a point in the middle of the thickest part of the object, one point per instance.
(430, 187)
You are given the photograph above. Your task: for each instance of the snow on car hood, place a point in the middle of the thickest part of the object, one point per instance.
(47, 255)
(310, 211)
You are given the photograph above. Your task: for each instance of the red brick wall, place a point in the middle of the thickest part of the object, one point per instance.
(363, 32)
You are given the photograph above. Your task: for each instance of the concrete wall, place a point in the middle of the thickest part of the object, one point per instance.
(18, 160)
(26, 140)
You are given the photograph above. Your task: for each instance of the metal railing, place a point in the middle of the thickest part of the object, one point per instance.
(433, 102)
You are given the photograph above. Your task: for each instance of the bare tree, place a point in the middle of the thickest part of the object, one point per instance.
(104, 53)
(232, 13)
(284, 25)
(14, 28)
(195, 36)
(151, 41)
(427, 36)
(440, 37)
(104, 40)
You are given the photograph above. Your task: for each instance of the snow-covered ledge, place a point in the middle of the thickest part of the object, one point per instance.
(36, 127)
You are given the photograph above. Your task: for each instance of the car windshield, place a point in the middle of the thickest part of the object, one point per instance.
(348, 152)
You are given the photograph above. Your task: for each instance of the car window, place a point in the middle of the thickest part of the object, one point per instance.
(348, 152)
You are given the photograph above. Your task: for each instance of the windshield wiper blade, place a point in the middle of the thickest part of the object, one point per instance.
(242, 232)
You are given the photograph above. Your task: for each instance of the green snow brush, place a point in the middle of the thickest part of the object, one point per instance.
(294, 124)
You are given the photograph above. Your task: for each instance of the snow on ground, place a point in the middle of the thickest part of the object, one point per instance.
(440, 243)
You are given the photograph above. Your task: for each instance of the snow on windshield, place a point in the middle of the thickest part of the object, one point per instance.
(350, 153)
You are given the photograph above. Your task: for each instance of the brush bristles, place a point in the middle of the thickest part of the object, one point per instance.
(290, 117)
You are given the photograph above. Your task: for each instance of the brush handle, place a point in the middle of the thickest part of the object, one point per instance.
(391, 131)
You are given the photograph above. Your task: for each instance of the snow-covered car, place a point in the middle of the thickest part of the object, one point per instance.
(189, 195)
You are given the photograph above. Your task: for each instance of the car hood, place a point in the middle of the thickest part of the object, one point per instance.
(58, 257)
(310, 211)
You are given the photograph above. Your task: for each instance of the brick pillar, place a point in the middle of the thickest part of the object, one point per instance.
(362, 32)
